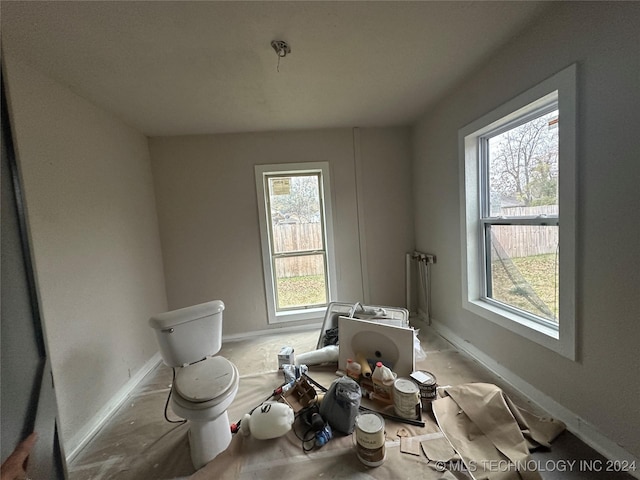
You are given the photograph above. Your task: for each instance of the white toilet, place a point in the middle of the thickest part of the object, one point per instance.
(204, 385)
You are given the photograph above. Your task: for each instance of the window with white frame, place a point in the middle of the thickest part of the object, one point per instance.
(518, 214)
(297, 239)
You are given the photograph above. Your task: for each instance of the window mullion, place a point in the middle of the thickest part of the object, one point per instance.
(534, 221)
(299, 253)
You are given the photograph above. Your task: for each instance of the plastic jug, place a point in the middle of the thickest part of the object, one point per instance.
(353, 369)
(383, 379)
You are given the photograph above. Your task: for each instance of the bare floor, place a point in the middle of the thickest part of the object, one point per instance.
(137, 443)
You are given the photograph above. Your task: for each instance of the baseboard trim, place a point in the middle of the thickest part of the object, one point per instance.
(575, 424)
(91, 428)
(271, 331)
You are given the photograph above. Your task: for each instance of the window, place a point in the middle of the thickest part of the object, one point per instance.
(297, 240)
(518, 214)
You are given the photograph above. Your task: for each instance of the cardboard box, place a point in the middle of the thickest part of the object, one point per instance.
(286, 357)
(300, 395)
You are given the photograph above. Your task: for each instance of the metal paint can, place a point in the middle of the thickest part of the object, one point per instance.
(428, 387)
(406, 398)
(370, 438)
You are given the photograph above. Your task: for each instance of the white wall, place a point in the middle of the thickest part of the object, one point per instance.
(94, 236)
(602, 387)
(386, 203)
(207, 206)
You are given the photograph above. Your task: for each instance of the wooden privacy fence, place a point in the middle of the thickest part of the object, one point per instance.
(517, 241)
(527, 240)
(295, 237)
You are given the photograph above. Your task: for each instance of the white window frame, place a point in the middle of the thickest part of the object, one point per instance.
(262, 172)
(561, 87)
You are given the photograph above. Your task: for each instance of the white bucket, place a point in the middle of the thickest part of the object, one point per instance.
(406, 398)
(370, 439)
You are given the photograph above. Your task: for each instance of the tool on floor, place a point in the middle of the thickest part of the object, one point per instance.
(322, 430)
(317, 432)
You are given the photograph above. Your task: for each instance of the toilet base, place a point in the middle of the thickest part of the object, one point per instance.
(208, 439)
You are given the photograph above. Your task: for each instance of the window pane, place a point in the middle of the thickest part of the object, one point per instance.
(523, 168)
(295, 213)
(297, 237)
(300, 281)
(523, 268)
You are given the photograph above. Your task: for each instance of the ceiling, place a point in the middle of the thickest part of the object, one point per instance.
(195, 67)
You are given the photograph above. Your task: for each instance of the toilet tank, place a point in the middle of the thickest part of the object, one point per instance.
(189, 334)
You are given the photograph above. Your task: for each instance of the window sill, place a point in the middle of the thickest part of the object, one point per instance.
(507, 318)
(541, 334)
(299, 315)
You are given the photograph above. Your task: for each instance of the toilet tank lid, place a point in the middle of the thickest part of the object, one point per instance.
(187, 314)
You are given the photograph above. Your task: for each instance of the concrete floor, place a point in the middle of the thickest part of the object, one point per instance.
(137, 443)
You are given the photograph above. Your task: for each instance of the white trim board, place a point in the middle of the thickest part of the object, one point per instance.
(91, 428)
(272, 331)
(575, 424)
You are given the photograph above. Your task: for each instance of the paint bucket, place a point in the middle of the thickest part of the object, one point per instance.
(370, 439)
(406, 398)
(428, 387)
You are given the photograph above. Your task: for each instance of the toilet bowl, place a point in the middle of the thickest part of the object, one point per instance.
(201, 394)
(205, 385)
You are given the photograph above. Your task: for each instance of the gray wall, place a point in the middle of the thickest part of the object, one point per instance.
(207, 206)
(94, 232)
(604, 40)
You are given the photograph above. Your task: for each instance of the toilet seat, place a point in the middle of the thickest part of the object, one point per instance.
(207, 382)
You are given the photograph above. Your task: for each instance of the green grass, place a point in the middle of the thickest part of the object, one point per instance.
(304, 290)
(539, 271)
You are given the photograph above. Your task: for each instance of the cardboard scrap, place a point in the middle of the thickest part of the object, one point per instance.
(439, 450)
(410, 445)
